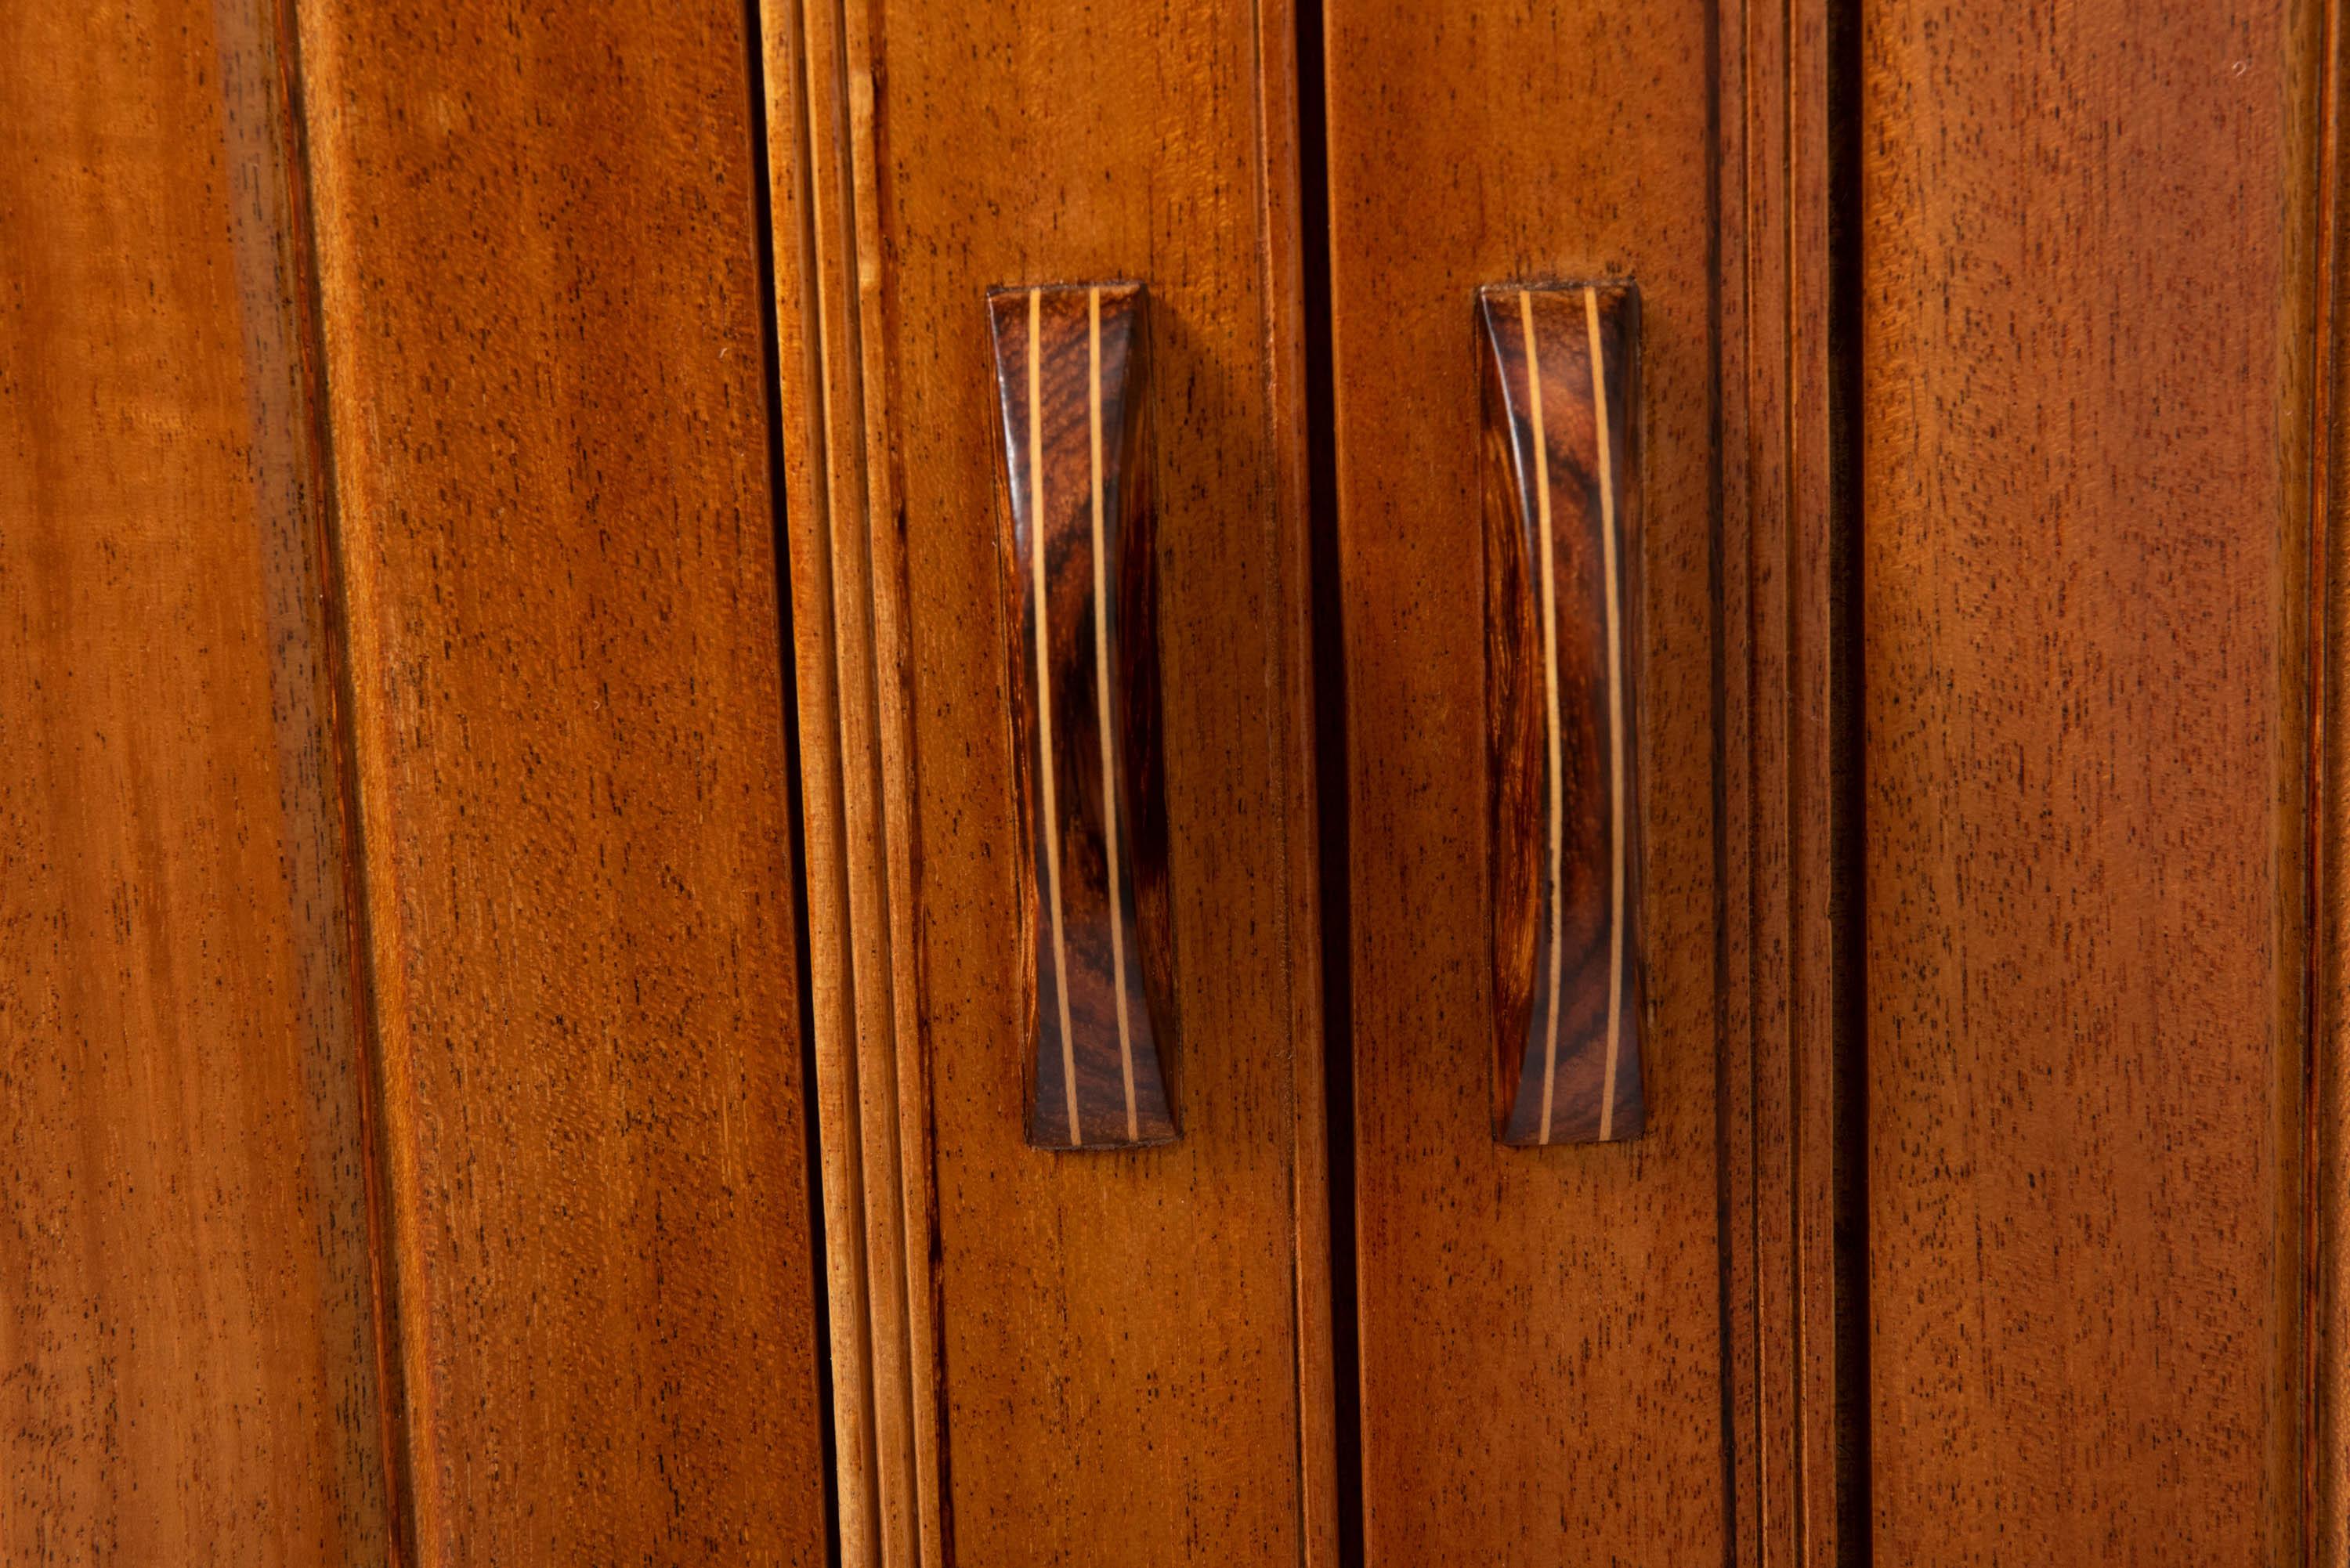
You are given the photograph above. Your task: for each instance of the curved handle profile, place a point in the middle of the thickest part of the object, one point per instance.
(1096, 942)
(1561, 370)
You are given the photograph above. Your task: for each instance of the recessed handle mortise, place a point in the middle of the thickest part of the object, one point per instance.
(1095, 945)
(1561, 373)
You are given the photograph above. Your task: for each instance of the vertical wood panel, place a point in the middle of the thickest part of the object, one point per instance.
(539, 274)
(2087, 270)
(1071, 1359)
(1789, 818)
(848, 585)
(2327, 1248)
(186, 1365)
(1542, 1348)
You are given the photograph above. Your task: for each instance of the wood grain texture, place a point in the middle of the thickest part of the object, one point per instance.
(186, 1365)
(1560, 399)
(1542, 1348)
(1071, 1360)
(2326, 1249)
(1093, 940)
(848, 586)
(1790, 805)
(2088, 270)
(539, 269)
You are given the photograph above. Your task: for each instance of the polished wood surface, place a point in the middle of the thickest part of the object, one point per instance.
(1794, 1259)
(1543, 1355)
(399, 1060)
(541, 298)
(2327, 1245)
(1123, 1356)
(1561, 456)
(853, 729)
(2088, 399)
(186, 1369)
(1093, 940)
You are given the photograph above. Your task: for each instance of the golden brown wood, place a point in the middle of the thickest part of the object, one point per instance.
(1542, 1349)
(1093, 942)
(186, 1369)
(1789, 801)
(541, 296)
(2086, 440)
(877, 1206)
(1561, 456)
(1049, 1383)
(2326, 1249)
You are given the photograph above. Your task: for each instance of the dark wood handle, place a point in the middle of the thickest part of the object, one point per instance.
(1563, 679)
(1095, 945)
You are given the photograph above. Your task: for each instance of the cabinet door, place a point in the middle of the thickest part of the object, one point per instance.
(2101, 1196)
(1622, 1351)
(1048, 1356)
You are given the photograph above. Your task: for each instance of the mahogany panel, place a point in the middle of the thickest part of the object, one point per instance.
(538, 264)
(1071, 1360)
(1094, 940)
(2088, 274)
(1792, 1027)
(2327, 1245)
(1543, 1355)
(186, 1363)
(1562, 532)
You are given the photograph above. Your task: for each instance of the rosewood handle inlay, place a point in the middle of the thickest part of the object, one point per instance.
(1094, 949)
(1562, 679)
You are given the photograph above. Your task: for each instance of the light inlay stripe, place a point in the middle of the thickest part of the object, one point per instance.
(1036, 529)
(1615, 718)
(1546, 573)
(1102, 712)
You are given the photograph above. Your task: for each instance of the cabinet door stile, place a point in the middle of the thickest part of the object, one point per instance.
(2088, 713)
(186, 1292)
(1790, 765)
(2326, 1500)
(541, 323)
(1293, 723)
(882, 1494)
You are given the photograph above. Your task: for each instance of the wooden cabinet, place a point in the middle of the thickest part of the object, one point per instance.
(799, 783)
